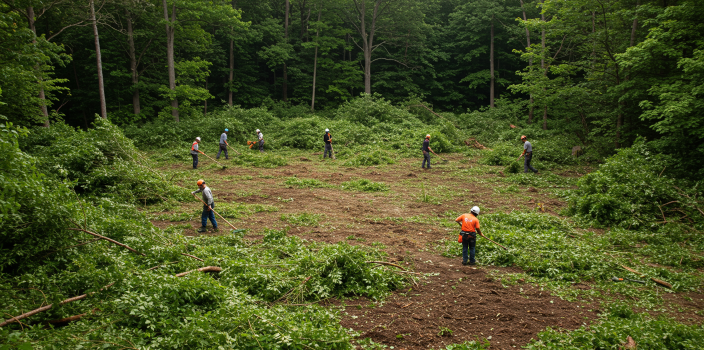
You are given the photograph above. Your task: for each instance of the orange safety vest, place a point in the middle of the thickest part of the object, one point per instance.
(194, 145)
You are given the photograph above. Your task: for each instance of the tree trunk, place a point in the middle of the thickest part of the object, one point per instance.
(42, 95)
(285, 85)
(205, 102)
(368, 43)
(491, 65)
(315, 62)
(101, 89)
(133, 65)
(232, 66)
(530, 63)
(542, 66)
(635, 25)
(304, 22)
(170, 55)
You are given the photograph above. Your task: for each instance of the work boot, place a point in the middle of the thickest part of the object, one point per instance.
(464, 263)
(472, 263)
(215, 229)
(202, 229)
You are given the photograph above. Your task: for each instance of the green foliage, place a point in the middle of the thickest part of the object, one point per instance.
(305, 219)
(260, 160)
(549, 249)
(305, 183)
(369, 156)
(100, 161)
(364, 185)
(619, 323)
(631, 189)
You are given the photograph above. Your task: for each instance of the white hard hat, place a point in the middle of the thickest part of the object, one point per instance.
(198, 138)
(327, 130)
(257, 130)
(475, 210)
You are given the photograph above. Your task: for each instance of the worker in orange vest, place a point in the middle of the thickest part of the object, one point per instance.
(195, 151)
(469, 229)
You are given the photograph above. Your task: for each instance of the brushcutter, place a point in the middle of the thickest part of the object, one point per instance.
(617, 279)
(481, 234)
(443, 159)
(216, 213)
(209, 157)
(232, 148)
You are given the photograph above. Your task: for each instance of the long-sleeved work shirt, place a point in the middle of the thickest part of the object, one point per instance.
(207, 195)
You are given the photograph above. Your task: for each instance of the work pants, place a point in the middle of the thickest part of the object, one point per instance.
(469, 241)
(223, 147)
(426, 158)
(261, 145)
(526, 163)
(208, 214)
(195, 160)
(328, 149)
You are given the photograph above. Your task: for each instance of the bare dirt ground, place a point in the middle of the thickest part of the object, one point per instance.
(457, 303)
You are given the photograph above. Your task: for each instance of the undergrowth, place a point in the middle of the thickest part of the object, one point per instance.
(364, 185)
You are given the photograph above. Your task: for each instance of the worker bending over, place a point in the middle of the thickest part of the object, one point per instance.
(328, 143)
(469, 229)
(208, 207)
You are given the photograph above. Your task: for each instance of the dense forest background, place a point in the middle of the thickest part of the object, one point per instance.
(603, 71)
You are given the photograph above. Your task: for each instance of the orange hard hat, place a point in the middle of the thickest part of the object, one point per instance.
(523, 137)
(200, 182)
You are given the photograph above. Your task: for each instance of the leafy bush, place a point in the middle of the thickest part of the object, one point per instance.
(631, 190)
(364, 185)
(370, 156)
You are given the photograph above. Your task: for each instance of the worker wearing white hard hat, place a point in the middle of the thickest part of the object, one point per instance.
(327, 139)
(260, 137)
(195, 151)
(468, 234)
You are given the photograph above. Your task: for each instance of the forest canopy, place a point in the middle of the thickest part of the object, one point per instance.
(604, 72)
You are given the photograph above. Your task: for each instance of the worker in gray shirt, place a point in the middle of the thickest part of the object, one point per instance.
(223, 145)
(528, 152)
(207, 209)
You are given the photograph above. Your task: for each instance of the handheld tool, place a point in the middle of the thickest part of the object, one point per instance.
(211, 158)
(481, 234)
(443, 159)
(216, 213)
(618, 279)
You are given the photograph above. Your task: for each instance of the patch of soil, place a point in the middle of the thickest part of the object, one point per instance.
(458, 304)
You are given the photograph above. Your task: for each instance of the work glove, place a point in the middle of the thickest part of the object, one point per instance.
(194, 192)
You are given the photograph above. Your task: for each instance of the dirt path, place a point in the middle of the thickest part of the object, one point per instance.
(456, 303)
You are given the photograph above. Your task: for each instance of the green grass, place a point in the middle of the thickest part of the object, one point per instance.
(364, 185)
(305, 219)
(305, 183)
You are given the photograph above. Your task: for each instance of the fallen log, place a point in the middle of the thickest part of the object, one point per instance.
(474, 143)
(107, 239)
(47, 307)
(385, 263)
(202, 269)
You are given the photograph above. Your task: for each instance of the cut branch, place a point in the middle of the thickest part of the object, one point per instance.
(44, 308)
(202, 269)
(107, 239)
(385, 263)
(191, 256)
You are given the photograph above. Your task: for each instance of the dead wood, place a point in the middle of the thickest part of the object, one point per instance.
(472, 142)
(47, 307)
(191, 256)
(630, 344)
(385, 263)
(661, 282)
(202, 269)
(107, 239)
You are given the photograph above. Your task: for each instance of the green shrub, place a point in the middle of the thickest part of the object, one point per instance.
(630, 190)
(369, 156)
(611, 332)
(364, 185)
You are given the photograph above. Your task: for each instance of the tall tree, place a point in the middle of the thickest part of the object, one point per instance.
(171, 65)
(99, 61)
